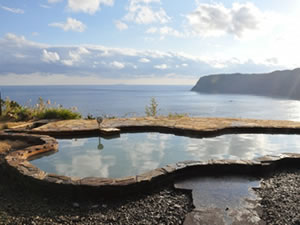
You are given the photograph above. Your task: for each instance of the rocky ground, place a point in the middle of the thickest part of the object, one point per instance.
(280, 195)
(280, 200)
(163, 206)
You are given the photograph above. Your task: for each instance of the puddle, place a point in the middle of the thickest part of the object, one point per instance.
(220, 192)
(222, 200)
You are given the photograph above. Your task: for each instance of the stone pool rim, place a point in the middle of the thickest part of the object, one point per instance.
(17, 161)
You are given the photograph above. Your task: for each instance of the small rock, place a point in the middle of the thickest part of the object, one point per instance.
(177, 206)
(76, 205)
(75, 218)
(94, 206)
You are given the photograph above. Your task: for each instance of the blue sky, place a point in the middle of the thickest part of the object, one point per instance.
(143, 41)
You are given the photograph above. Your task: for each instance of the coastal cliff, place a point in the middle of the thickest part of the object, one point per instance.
(285, 84)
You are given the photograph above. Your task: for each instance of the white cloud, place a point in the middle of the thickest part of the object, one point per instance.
(165, 31)
(50, 57)
(161, 67)
(83, 51)
(15, 38)
(35, 34)
(140, 12)
(245, 17)
(18, 55)
(168, 30)
(144, 60)
(151, 30)
(70, 24)
(117, 65)
(12, 10)
(45, 6)
(216, 20)
(75, 56)
(88, 6)
(54, 1)
(144, 1)
(121, 25)
(20, 42)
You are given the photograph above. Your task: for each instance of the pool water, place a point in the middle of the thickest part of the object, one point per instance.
(136, 153)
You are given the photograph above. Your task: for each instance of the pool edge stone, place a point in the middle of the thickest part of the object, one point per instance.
(18, 160)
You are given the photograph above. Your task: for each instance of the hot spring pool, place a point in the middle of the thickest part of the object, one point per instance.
(136, 153)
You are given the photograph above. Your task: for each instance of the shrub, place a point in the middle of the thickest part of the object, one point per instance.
(24, 114)
(14, 111)
(58, 113)
(90, 117)
(177, 115)
(152, 109)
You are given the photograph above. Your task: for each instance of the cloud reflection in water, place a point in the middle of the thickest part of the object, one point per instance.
(136, 153)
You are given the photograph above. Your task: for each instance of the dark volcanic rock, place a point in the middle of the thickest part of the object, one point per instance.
(162, 206)
(285, 84)
(280, 197)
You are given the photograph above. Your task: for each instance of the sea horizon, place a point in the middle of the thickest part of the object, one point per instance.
(131, 100)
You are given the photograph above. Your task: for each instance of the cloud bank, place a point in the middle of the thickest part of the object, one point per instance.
(34, 63)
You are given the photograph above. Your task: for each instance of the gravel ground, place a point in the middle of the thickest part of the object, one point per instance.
(280, 195)
(163, 206)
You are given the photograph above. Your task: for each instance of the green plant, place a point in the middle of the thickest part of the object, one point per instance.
(177, 115)
(11, 109)
(90, 117)
(42, 110)
(152, 109)
(58, 113)
(24, 114)
(1, 105)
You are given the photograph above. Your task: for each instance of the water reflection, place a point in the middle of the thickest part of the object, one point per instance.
(100, 146)
(136, 153)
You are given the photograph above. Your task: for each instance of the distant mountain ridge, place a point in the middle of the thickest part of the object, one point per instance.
(285, 84)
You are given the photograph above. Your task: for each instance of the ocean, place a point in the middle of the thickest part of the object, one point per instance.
(130, 100)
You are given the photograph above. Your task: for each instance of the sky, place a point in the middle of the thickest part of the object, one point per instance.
(50, 42)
